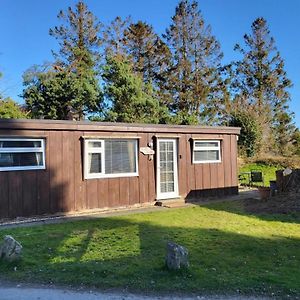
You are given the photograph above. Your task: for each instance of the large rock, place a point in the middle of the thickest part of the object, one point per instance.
(10, 250)
(177, 256)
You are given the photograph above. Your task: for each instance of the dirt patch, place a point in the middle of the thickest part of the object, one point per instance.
(284, 203)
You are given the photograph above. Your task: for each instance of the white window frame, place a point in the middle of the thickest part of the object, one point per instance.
(101, 150)
(205, 148)
(23, 150)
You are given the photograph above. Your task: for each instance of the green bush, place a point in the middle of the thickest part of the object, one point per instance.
(250, 132)
(9, 109)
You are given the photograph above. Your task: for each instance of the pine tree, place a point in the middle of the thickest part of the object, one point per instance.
(53, 94)
(114, 40)
(75, 68)
(194, 80)
(284, 132)
(147, 52)
(131, 100)
(260, 82)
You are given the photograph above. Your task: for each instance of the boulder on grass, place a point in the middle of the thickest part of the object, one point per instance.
(177, 256)
(10, 250)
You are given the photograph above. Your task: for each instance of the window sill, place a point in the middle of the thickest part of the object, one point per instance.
(207, 162)
(11, 169)
(103, 176)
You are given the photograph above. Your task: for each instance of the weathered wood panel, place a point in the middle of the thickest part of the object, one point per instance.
(220, 169)
(43, 183)
(227, 161)
(124, 191)
(189, 164)
(62, 187)
(29, 193)
(92, 193)
(143, 171)
(15, 186)
(103, 193)
(79, 182)
(114, 192)
(4, 195)
(214, 176)
(182, 165)
(233, 152)
(56, 171)
(206, 176)
(134, 191)
(68, 159)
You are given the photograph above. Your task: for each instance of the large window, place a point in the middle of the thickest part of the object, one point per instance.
(207, 151)
(21, 154)
(110, 158)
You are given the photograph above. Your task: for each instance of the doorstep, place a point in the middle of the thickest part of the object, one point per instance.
(172, 203)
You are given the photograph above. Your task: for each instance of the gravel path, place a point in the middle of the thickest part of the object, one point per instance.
(45, 293)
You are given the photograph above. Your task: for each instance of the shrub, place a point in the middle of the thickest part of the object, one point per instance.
(250, 132)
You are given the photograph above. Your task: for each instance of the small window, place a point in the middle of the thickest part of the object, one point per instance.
(111, 158)
(21, 154)
(206, 151)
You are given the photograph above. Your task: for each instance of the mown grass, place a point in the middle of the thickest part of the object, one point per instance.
(269, 172)
(230, 252)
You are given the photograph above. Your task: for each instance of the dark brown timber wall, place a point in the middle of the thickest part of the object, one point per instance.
(62, 188)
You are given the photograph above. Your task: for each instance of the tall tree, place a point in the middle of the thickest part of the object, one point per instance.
(75, 67)
(260, 82)
(55, 94)
(113, 36)
(194, 79)
(148, 53)
(131, 100)
(284, 131)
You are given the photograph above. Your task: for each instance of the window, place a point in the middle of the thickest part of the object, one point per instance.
(206, 151)
(111, 158)
(21, 154)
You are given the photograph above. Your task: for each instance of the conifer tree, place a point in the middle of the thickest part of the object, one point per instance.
(114, 40)
(194, 80)
(261, 83)
(148, 53)
(75, 68)
(131, 100)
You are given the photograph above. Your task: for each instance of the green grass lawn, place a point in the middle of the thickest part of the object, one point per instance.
(229, 251)
(269, 172)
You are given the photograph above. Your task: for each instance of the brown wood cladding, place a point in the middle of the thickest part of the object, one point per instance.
(62, 188)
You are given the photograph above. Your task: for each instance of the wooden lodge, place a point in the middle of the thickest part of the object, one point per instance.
(49, 167)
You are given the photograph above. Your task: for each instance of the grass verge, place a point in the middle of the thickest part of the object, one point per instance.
(230, 252)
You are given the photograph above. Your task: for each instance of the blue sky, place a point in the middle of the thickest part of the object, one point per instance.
(25, 41)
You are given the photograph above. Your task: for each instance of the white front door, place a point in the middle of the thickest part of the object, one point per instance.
(167, 173)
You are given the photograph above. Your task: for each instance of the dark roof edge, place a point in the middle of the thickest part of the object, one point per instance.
(30, 124)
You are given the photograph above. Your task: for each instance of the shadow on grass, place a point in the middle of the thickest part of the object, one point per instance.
(127, 254)
(256, 208)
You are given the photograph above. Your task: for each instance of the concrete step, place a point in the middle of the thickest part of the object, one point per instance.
(170, 203)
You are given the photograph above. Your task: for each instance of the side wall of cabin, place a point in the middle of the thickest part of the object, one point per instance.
(62, 187)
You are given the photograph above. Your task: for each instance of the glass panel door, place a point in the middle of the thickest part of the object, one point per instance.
(167, 176)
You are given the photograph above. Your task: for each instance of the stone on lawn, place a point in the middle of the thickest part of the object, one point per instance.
(177, 256)
(10, 250)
